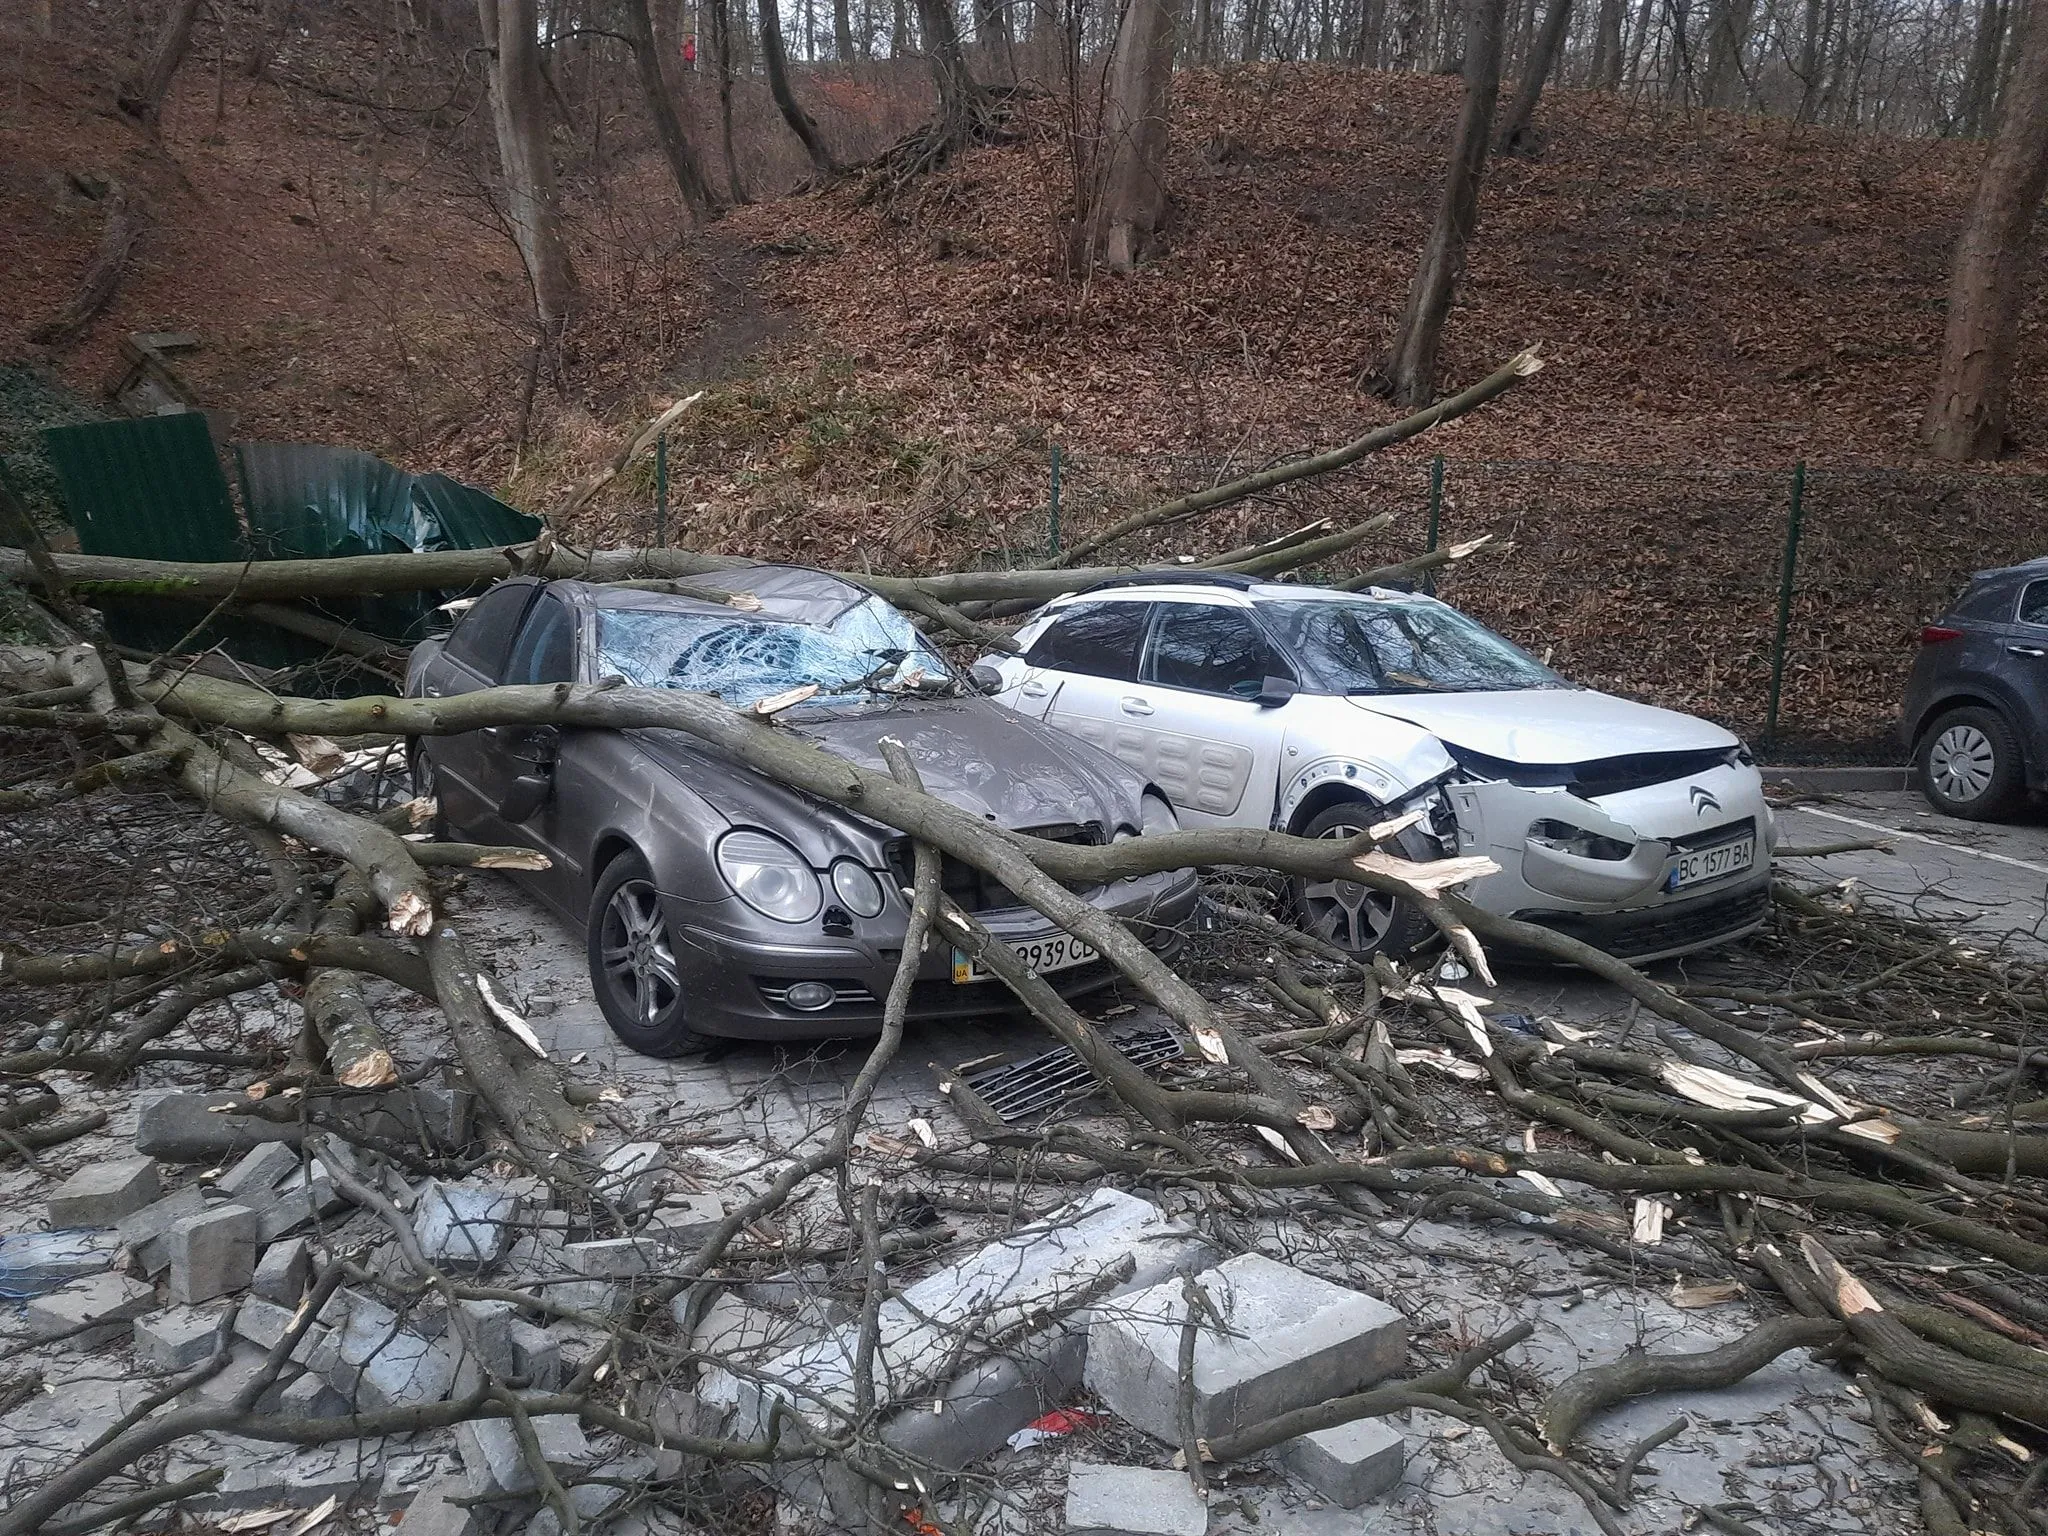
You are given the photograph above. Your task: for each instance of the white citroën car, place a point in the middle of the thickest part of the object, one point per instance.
(1320, 712)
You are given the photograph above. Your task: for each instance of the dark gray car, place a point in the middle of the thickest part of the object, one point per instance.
(716, 901)
(1976, 712)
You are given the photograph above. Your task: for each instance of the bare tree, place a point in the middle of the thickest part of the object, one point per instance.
(1514, 133)
(1604, 74)
(722, 46)
(1966, 415)
(1409, 376)
(683, 162)
(1726, 35)
(1980, 80)
(511, 31)
(842, 31)
(142, 96)
(1129, 205)
(775, 64)
(961, 103)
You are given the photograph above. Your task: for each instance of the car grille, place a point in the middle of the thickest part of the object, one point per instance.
(1657, 930)
(1714, 837)
(973, 890)
(847, 994)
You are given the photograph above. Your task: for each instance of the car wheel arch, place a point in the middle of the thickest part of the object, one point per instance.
(1322, 797)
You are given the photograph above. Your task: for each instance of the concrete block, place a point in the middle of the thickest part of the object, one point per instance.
(309, 1397)
(265, 1323)
(184, 1128)
(1349, 1464)
(732, 1328)
(100, 1194)
(90, 1312)
(178, 1338)
(212, 1253)
(34, 1262)
(1132, 1501)
(536, 1355)
(372, 1359)
(307, 1194)
(597, 1298)
(1288, 1339)
(628, 1178)
(684, 1221)
(245, 1360)
(467, 1225)
(489, 1325)
(674, 1412)
(144, 1233)
(591, 1501)
(260, 1170)
(615, 1258)
(431, 1513)
(287, 1482)
(284, 1272)
(493, 1464)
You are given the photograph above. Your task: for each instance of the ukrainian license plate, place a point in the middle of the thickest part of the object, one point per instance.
(1700, 865)
(1053, 952)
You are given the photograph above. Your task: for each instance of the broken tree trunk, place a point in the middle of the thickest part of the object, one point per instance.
(124, 221)
(357, 1052)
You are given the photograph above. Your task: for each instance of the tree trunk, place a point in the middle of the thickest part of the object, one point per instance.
(681, 155)
(1730, 30)
(992, 30)
(842, 31)
(899, 29)
(1254, 28)
(1514, 134)
(96, 289)
(1130, 199)
(960, 102)
(1966, 416)
(1605, 74)
(142, 98)
(722, 41)
(775, 61)
(1809, 58)
(1980, 80)
(511, 30)
(1410, 372)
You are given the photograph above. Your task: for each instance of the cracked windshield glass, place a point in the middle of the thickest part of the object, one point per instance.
(1400, 647)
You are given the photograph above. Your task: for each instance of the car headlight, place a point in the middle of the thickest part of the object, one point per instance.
(1563, 837)
(769, 876)
(857, 889)
(1154, 815)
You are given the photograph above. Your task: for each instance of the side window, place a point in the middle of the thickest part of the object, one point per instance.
(1208, 649)
(545, 651)
(482, 634)
(2034, 603)
(1097, 639)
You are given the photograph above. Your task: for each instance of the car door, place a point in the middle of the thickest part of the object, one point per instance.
(472, 657)
(1210, 744)
(1077, 667)
(2025, 666)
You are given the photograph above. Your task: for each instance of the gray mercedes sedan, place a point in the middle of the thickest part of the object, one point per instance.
(716, 901)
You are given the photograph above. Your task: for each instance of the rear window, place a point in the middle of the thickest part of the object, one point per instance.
(482, 634)
(1094, 639)
(2034, 603)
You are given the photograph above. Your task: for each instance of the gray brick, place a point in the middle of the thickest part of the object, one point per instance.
(494, 1465)
(286, 1482)
(629, 1177)
(144, 1233)
(465, 1226)
(265, 1323)
(178, 1338)
(1288, 1339)
(184, 1128)
(1132, 1501)
(309, 1397)
(90, 1312)
(376, 1362)
(283, 1272)
(100, 1194)
(1349, 1464)
(431, 1513)
(260, 1171)
(536, 1355)
(212, 1253)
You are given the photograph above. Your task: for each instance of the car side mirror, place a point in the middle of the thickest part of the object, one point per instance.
(1274, 692)
(986, 679)
(527, 794)
(534, 749)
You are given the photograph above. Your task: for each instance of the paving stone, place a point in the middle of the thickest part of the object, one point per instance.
(90, 1312)
(212, 1253)
(145, 1233)
(244, 1361)
(376, 1362)
(1291, 1340)
(432, 1514)
(34, 1262)
(589, 1500)
(100, 1194)
(289, 1482)
(466, 1225)
(260, 1171)
(490, 1326)
(178, 1338)
(265, 1323)
(616, 1258)
(1349, 1464)
(1132, 1501)
(307, 1194)
(536, 1355)
(185, 1128)
(493, 1464)
(628, 1178)
(309, 1397)
(674, 1412)
(283, 1272)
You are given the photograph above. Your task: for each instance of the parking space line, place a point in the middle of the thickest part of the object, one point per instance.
(1917, 837)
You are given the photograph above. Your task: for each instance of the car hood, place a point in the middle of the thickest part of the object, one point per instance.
(1549, 725)
(970, 752)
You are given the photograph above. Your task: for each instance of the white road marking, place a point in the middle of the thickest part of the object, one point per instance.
(1918, 837)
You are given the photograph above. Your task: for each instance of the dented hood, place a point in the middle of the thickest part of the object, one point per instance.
(1549, 725)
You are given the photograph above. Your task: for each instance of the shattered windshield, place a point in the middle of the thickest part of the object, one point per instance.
(1368, 646)
(869, 648)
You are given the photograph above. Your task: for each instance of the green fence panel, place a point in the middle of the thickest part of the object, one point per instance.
(150, 488)
(463, 517)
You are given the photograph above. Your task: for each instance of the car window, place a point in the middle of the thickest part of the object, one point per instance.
(1407, 645)
(481, 635)
(1207, 648)
(545, 651)
(1096, 639)
(2034, 603)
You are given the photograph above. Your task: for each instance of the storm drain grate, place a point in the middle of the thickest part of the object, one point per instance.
(1026, 1088)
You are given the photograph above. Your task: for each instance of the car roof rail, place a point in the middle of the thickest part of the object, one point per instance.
(1172, 578)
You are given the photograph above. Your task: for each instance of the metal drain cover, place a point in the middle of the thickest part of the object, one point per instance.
(1041, 1083)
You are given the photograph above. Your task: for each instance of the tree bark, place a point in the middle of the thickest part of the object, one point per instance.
(775, 61)
(1728, 32)
(1410, 372)
(1980, 79)
(1967, 414)
(511, 31)
(722, 42)
(1514, 133)
(1130, 197)
(1605, 73)
(142, 98)
(683, 163)
(960, 95)
(842, 31)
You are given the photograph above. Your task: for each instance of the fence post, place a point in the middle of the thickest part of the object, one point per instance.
(1790, 568)
(1052, 514)
(661, 491)
(1436, 516)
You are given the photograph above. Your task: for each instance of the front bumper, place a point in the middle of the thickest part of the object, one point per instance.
(737, 982)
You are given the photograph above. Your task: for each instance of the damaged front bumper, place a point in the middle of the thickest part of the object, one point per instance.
(1644, 874)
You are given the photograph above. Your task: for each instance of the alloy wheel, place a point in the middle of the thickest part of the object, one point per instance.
(639, 959)
(1344, 912)
(1961, 763)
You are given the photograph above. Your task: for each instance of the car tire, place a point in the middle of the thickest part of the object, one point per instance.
(419, 770)
(633, 966)
(1355, 917)
(1969, 765)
